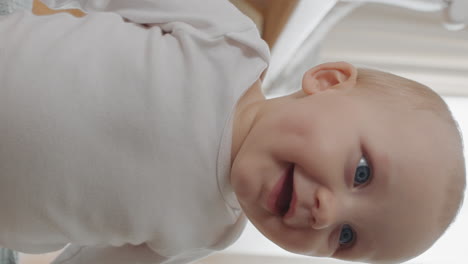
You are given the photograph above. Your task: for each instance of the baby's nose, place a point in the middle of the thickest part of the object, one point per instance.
(323, 213)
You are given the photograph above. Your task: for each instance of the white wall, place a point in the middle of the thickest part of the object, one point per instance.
(405, 42)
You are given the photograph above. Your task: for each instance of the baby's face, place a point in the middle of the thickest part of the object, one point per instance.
(340, 176)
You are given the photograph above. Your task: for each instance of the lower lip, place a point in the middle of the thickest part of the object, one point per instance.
(292, 206)
(276, 191)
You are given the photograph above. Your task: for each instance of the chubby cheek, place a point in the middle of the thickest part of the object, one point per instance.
(255, 166)
(250, 175)
(242, 180)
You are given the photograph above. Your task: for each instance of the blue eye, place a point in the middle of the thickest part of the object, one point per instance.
(346, 235)
(363, 173)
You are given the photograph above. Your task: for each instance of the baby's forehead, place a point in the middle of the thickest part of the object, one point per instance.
(409, 133)
(424, 156)
(405, 216)
(399, 233)
(405, 201)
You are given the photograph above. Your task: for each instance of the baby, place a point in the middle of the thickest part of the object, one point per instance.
(358, 165)
(140, 134)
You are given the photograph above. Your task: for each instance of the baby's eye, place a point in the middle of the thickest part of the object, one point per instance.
(363, 173)
(346, 236)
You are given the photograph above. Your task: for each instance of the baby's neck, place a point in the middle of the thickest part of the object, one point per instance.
(246, 109)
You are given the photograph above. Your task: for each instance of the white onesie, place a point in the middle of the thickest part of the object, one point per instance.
(115, 137)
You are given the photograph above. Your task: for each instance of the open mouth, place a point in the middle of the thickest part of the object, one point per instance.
(286, 192)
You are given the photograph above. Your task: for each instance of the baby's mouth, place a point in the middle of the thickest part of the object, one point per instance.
(285, 195)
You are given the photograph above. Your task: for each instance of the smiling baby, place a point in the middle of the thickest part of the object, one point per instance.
(358, 165)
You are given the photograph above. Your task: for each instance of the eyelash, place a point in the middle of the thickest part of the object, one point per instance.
(362, 163)
(350, 244)
(363, 166)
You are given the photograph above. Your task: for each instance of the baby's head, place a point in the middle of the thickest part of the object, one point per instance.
(359, 164)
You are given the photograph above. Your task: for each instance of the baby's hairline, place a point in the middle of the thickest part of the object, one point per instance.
(417, 96)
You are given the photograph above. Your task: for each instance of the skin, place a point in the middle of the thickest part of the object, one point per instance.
(323, 130)
(41, 9)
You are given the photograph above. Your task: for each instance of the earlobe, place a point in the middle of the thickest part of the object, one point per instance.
(330, 75)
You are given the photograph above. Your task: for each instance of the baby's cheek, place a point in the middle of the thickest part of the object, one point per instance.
(244, 178)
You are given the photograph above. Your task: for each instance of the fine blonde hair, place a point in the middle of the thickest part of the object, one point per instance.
(417, 96)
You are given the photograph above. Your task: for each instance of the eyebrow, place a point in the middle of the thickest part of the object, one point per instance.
(368, 250)
(380, 168)
(358, 252)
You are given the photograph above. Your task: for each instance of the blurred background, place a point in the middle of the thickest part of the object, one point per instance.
(417, 39)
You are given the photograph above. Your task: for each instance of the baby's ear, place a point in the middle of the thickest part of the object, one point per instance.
(329, 75)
